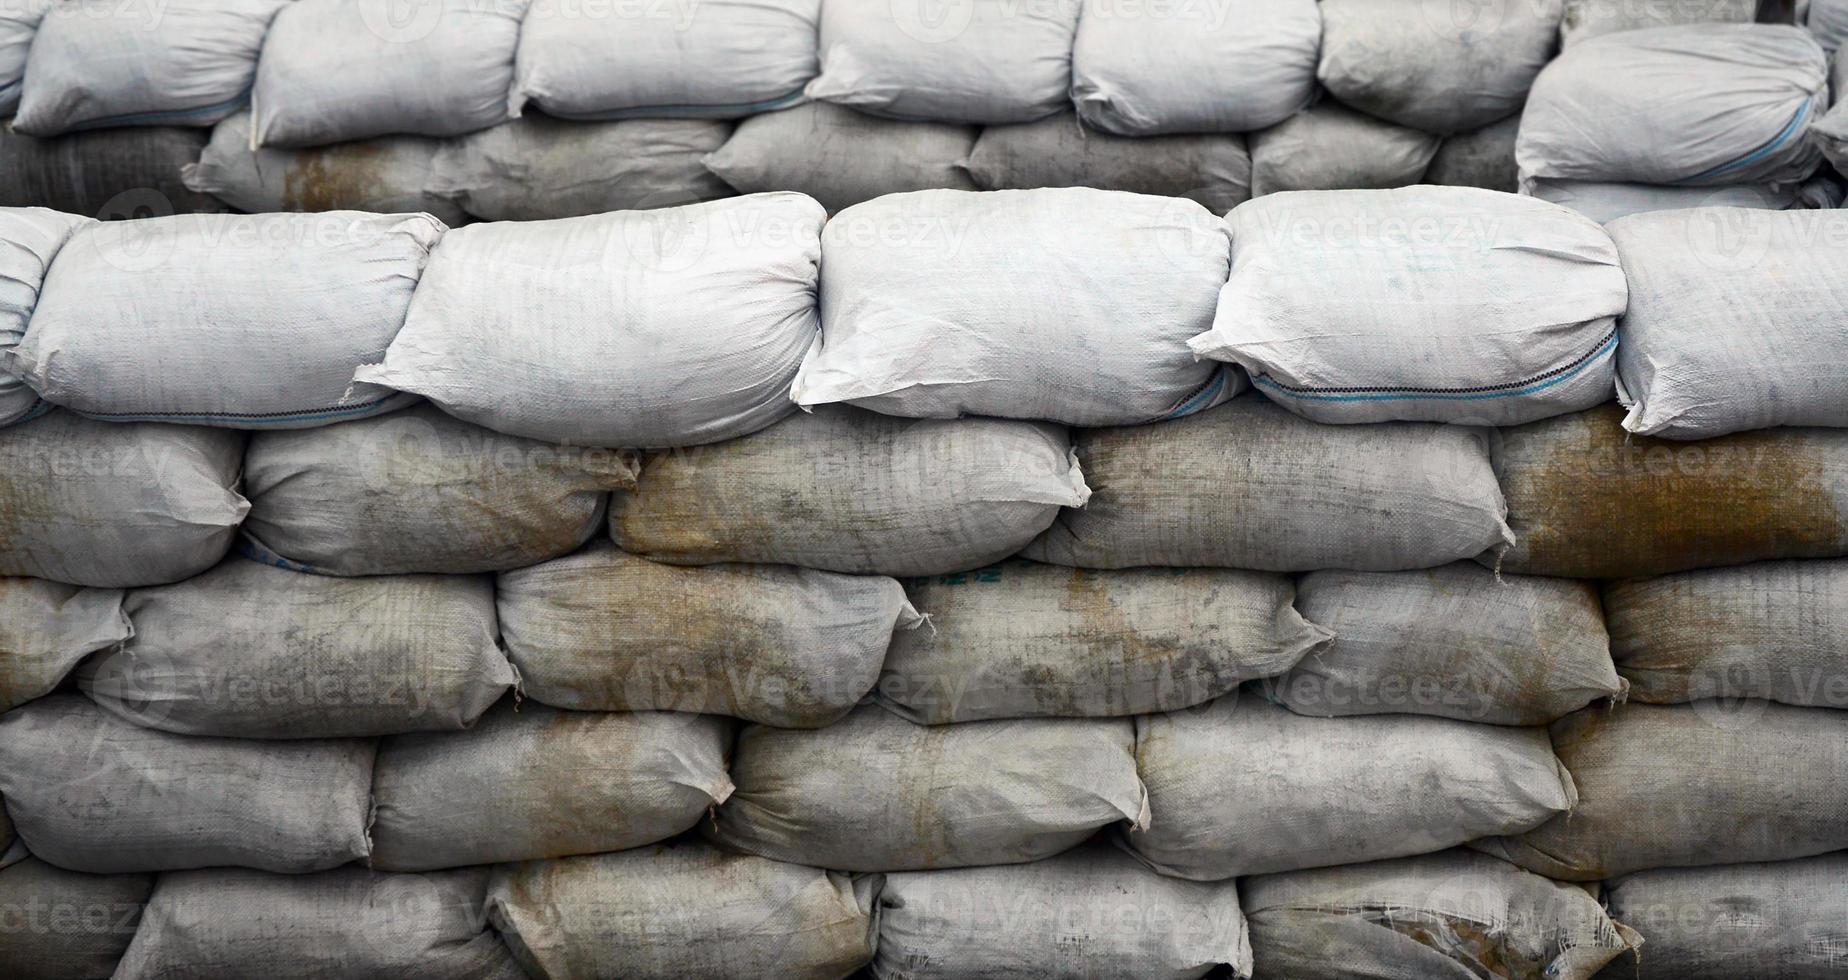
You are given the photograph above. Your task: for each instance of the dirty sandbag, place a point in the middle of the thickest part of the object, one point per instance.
(67, 925)
(1478, 158)
(1585, 19)
(46, 629)
(1210, 169)
(1605, 201)
(129, 172)
(1777, 919)
(529, 781)
(1331, 147)
(840, 156)
(29, 239)
(602, 630)
(1022, 640)
(18, 23)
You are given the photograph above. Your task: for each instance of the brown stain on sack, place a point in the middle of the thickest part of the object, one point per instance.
(334, 178)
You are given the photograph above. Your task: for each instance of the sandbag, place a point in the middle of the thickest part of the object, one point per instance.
(1440, 304)
(536, 167)
(1024, 640)
(840, 157)
(182, 63)
(534, 782)
(1700, 104)
(1586, 19)
(247, 650)
(1775, 630)
(1088, 912)
(338, 70)
(634, 328)
(602, 630)
(1453, 915)
(1669, 786)
(46, 629)
(723, 58)
(1778, 921)
(240, 321)
(1067, 304)
(90, 792)
(1332, 147)
(115, 505)
(63, 925)
(421, 491)
(1455, 642)
(689, 910)
(1736, 319)
(847, 490)
(18, 23)
(984, 61)
(1212, 169)
(1146, 69)
(133, 172)
(1828, 21)
(1605, 202)
(1249, 485)
(345, 924)
(1587, 499)
(874, 792)
(1479, 158)
(29, 239)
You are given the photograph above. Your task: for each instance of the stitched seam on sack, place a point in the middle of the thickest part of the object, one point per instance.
(1213, 388)
(1525, 386)
(152, 118)
(334, 411)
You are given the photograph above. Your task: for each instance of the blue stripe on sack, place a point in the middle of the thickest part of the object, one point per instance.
(1790, 129)
(1205, 395)
(1596, 355)
(249, 548)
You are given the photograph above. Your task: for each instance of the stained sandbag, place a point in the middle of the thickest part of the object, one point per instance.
(687, 910)
(633, 328)
(338, 70)
(1440, 304)
(46, 629)
(1332, 147)
(1780, 919)
(1605, 202)
(840, 156)
(422, 491)
(1665, 786)
(65, 925)
(1479, 158)
(18, 23)
(1733, 314)
(874, 792)
(248, 650)
(1454, 914)
(1212, 169)
(1023, 640)
(1250, 485)
(1146, 69)
(90, 792)
(1586, 19)
(1093, 911)
(1455, 641)
(530, 782)
(602, 630)
(29, 239)
(1587, 499)
(241, 321)
(131, 172)
(847, 490)
(111, 505)
(1067, 304)
(346, 924)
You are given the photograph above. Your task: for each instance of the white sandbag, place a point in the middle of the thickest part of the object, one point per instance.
(247, 650)
(721, 58)
(1700, 104)
(874, 792)
(65, 925)
(422, 491)
(18, 23)
(1605, 202)
(241, 321)
(602, 630)
(181, 62)
(345, 924)
(112, 505)
(687, 910)
(1736, 323)
(29, 239)
(1439, 304)
(1332, 147)
(1212, 169)
(1828, 21)
(1067, 304)
(530, 781)
(1249, 485)
(1455, 641)
(90, 792)
(1433, 65)
(1144, 69)
(536, 167)
(132, 172)
(1586, 19)
(338, 70)
(1479, 158)
(1243, 787)
(983, 61)
(1779, 920)
(634, 328)
(1024, 640)
(1454, 914)
(1665, 786)
(840, 156)
(46, 629)
(847, 490)
(1089, 912)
